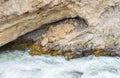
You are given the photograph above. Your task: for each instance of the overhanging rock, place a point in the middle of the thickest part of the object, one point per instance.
(18, 17)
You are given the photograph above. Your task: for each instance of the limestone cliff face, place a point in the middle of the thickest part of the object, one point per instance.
(97, 24)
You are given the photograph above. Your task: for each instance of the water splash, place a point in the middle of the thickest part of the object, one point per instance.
(18, 64)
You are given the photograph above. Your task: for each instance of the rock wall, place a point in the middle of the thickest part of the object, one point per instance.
(88, 24)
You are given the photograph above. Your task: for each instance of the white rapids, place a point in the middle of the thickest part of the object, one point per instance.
(18, 64)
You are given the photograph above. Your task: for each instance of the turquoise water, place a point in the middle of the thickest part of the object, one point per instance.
(19, 64)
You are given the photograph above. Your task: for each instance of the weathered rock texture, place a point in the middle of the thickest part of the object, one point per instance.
(91, 24)
(19, 17)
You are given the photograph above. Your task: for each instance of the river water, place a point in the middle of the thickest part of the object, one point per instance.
(19, 64)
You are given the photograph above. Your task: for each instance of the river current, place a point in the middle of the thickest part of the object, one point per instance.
(19, 64)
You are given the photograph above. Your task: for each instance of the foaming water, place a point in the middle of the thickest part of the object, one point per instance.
(20, 64)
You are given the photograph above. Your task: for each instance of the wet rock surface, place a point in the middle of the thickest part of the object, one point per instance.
(35, 50)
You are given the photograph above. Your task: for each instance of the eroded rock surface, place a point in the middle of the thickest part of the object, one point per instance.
(89, 24)
(82, 37)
